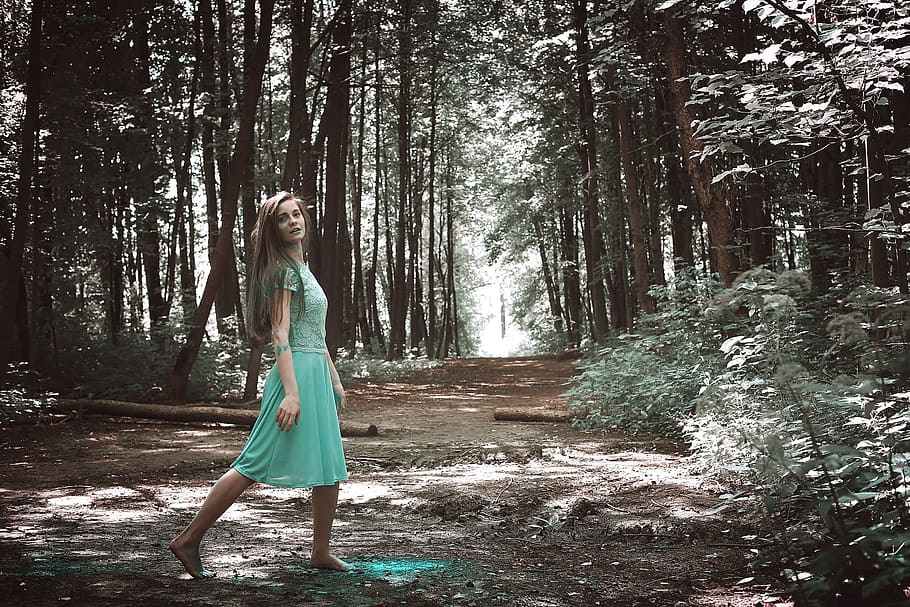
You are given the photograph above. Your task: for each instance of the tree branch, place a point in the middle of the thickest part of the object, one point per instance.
(855, 107)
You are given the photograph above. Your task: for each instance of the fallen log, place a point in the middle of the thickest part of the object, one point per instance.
(571, 354)
(521, 414)
(179, 413)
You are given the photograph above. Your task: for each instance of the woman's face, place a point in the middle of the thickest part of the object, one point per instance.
(291, 226)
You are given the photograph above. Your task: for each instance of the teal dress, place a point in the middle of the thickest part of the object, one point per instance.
(310, 454)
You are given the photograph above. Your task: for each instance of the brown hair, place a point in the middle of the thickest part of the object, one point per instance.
(269, 263)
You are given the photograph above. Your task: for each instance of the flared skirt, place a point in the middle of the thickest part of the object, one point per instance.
(311, 454)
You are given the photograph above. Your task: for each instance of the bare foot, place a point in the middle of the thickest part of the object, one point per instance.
(189, 556)
(328, 561)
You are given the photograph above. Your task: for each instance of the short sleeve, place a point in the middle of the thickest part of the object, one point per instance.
(291, 281)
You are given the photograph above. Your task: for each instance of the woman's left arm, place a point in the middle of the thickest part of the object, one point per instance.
(337, 388)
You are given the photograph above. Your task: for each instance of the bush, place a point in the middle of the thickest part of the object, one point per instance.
(649, 382)
(803, 400)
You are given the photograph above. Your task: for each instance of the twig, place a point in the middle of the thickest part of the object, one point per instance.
(506, 488)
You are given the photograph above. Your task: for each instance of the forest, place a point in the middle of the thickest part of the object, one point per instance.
(703, 201)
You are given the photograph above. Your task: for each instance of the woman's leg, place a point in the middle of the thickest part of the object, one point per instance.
(325, 499)
(224, 493)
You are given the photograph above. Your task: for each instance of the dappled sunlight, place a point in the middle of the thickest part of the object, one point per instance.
(444, 506)
(70, 501)
(194, 434)
(363, 492)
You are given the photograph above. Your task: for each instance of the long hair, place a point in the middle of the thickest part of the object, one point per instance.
(269, 263)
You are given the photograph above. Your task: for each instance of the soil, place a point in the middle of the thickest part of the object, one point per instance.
(444, 507)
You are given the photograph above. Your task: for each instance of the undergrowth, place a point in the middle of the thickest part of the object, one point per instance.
(801, 400)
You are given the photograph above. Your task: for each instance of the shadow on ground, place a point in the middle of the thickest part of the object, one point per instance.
(444, 507)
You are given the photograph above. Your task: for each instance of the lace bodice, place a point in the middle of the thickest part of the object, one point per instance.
(308, 310)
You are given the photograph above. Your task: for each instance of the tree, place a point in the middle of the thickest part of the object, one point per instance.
(230, 194)
(710, 195)
(13, 292)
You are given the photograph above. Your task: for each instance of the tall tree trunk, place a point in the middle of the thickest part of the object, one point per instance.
(301, 25)
(828, 249)
(249, 189)
(43, 343)
(680, 215)
(349, 311)
(587, 150)
(621, 311)
(230, 194)
(337, 114)
(378, 202)
(549, 283)
(225, 302)
(415, 286)
(111, 258)
(450, 265)
(12, 273)
(447, 271)
(569, 257)
(431, 211)
(209, 89)
(755, 220)
(359, 295)
(398, 287)
(148, 236)
(183, 165)
(652, 178)
(627, 145)
(710, 196)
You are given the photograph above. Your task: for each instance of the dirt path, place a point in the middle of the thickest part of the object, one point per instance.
(444, 507)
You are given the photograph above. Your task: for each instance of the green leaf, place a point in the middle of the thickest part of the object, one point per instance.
(668, 4)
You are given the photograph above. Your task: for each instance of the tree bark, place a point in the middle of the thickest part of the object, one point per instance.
(556, 312)
(12, 274)
(230, 194)
(186, 413)
(587, 150)
(337, 115)
(431, 219)
(621, 311)
(652, 177)
(301, 25)
(43, 342)
(209, 90)
(627, 145)
(569, 258)
(680, 215)
(710, 196)
(398, 287)
(149, 237)
(378, 203)
(359, 295)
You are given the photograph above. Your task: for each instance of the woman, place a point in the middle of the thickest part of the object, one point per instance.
(296, 441)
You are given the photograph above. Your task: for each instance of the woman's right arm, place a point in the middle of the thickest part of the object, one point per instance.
(289, 409)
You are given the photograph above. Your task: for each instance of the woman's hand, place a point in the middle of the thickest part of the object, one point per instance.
(340, 398)
(288, 412)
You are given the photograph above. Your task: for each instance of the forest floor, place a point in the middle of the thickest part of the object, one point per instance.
(444, 507)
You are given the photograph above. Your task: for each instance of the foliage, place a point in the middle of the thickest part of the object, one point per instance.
(833, 475)
(364, 366)
(822, 443)
(650, 381)
(532, 314)
(802, 400)
(137, 368)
